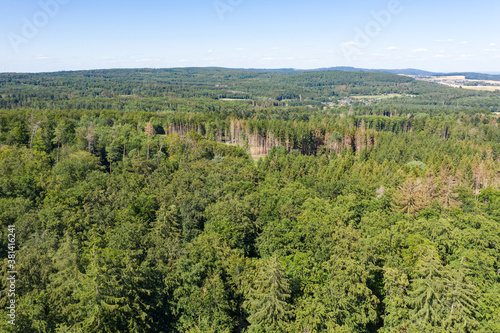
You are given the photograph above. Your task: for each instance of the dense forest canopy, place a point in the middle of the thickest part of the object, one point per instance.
(217, 200)
(162, 89)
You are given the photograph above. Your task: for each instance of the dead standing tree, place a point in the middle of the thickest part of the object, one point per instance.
(91, 137)
(150, 132)
(34, 126)
(415, 195)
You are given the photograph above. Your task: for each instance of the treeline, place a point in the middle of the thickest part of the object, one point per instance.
(165, 89)
(328, 132)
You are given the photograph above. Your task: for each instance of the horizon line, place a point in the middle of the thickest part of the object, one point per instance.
(333, 68)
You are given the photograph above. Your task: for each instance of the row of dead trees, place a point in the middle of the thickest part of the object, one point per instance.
(259, 141)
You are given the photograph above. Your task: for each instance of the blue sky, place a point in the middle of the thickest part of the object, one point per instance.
(51, 35)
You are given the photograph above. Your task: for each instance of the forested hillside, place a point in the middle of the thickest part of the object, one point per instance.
(215, 200)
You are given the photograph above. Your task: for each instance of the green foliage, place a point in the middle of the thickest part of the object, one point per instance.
(268, 299)
(145, 202)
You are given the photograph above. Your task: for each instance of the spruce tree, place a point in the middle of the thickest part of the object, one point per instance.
(268, 304)
(428, 294)
(461, 306)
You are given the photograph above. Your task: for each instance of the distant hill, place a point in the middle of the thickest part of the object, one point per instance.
(412, 71)
(407, 71)
(475, 76)
(493, 76)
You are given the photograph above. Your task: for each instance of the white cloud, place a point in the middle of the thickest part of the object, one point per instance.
(353, 43)
(464, 57)
(391, 48)
(439, 56)
(463, 43)
(493, 44)
(42, 57)
(445, 40)
(210, 51)
(239, 49)
(419, 50)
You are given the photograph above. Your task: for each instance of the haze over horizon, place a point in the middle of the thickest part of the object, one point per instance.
(54, 35)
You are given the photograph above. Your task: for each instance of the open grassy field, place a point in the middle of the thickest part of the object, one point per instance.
(482, 88)
(451, 77)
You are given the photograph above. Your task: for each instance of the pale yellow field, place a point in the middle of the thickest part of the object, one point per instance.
(452, 77)
(451, 80)
(483, 88)
(486, 81)
(460, 77)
